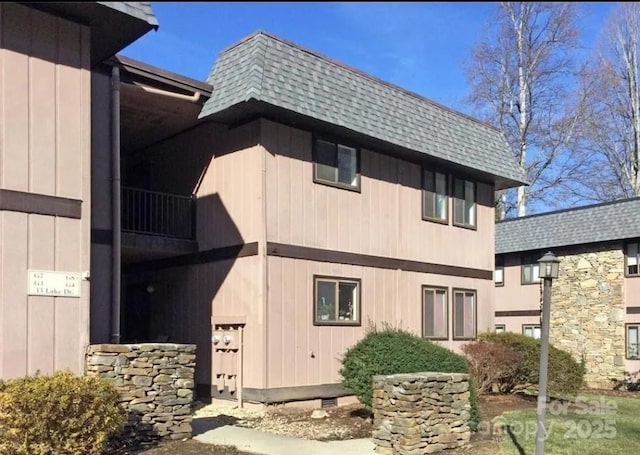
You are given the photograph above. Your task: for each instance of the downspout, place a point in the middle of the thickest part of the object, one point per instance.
(116, 245)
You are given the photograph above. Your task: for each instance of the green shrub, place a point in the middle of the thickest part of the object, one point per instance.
(392, 351)
(57, 414)
(565, 375)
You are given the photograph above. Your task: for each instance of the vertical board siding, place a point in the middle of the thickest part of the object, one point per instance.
(44, 148)
(300, 353)
(384, 218)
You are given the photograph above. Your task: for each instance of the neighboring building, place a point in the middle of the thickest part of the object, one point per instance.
(595, 314)
(289, 201)
(47, 54)
(326, 200)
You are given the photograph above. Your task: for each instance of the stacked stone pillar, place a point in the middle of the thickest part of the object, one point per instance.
(420, 413)
(155, 382)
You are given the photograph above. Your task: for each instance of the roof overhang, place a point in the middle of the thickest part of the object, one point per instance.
(111, 30)
(252, 109)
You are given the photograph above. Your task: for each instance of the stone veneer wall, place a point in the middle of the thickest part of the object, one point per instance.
(420, 413)
(155, 382)
(588, 310)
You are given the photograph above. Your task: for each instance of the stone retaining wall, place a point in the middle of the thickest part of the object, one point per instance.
(155, 382)
(420, 413)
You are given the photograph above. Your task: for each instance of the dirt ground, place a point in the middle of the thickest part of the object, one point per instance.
(345, 422)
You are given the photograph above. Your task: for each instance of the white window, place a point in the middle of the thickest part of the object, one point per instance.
(464, 314)
(435, 319)
(633, 340)
(464, 202)
(530, 269)
(531, 330)
(435, 201)
(336, 164)
(632, 253)
(498, 274)
(500, 328)
(337, 301)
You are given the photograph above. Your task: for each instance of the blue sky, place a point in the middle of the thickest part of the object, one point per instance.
(420, 46)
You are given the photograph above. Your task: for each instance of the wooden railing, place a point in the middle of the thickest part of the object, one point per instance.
(156, 213)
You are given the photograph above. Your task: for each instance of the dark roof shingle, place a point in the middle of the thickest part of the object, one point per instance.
(139, 10)
(274, 71)
(615, 220)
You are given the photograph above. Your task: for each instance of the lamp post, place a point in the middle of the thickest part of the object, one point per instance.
(549, 266)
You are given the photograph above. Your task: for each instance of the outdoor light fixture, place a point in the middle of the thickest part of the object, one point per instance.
(549, 267)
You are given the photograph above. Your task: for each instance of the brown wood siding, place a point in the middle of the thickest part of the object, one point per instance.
(299, 353)
(383, 219)
(44, 148)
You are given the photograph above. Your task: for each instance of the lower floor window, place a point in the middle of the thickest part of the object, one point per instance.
(500, 328)
(633, 338)
(337, 301)
(464, 314)
(435, 319)
(531, 330)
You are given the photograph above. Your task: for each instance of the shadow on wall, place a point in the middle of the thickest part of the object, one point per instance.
(171, 299)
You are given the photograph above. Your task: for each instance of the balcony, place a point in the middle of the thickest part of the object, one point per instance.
(156, 225)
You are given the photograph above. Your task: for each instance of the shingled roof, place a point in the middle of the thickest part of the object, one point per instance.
(616, 220)
(269, 69)
(139, 10)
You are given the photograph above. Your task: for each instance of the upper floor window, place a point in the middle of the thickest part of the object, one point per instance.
(498, 274)
(530, 269)
(435, 319)
(336, 164)
(632, 257)
(464, 314)
(435, 201)
(464, 202)
(337, 301)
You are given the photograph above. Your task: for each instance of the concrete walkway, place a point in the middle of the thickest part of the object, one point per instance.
(259, 442)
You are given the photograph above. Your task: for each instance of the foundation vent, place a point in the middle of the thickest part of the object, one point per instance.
(328, 402)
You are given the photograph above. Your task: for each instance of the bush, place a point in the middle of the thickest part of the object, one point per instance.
(393, 351)
(630, 381)
(57, 414)
(491, 363)
(565, 375)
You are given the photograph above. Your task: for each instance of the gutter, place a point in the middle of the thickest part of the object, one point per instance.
(116, 241)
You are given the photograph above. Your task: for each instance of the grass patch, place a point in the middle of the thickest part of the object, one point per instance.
(593, 425)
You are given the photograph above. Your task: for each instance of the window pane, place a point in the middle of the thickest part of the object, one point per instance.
(526, 274)
(500, 328)
(535, 272)
(347, 165)
(499, 275)
(632, 259)
(440, 316)
(429, 204)
(469, 315)
(441, 198)
(470, 203)
(326, 161)
(326, 300)
(459, 311)
(348, 302)
(632, 341)
(537, 332)
(429, 313)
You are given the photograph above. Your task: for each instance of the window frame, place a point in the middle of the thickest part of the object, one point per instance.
(336, 143)
(475, 313)
(337, 280)
(524, 262)
(499, 265)
(626, 259)
(532, 326)
(447, 193)
(424, 288)
(464, 179)
(501, 326)
(626, 340)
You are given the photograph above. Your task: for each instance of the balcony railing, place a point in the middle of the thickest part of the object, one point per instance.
(156, 213)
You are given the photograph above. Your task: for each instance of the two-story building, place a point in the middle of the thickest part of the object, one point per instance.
(268, 215)
(326, 200)
(594, 312)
